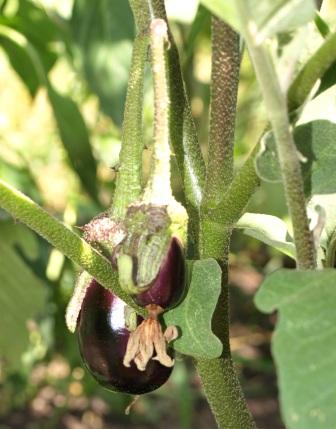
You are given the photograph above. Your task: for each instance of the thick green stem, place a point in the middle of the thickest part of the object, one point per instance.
(276, 107)
(128, 184)
(313, 70)
(224, 393)
(70, 244)
(219, 379)
(224, 75)
(237, 196)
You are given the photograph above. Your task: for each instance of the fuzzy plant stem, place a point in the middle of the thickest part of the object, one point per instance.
(66, 241)
(219, 379)
(128, 184)
(158, 189)
(276, 107)
(224, 78)
(235, 199)
(244, 184)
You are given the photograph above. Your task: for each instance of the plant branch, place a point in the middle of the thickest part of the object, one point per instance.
(224, 393)
(224, 76)
(276, 107)
(66, 241)
(218, 376)
(128, 184)
(233, 204)
(313, 70)
(246, 180)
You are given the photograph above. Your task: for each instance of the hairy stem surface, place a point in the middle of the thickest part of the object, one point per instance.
(218, 376)
(276, 107)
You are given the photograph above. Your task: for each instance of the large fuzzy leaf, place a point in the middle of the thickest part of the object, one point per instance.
(304, 344)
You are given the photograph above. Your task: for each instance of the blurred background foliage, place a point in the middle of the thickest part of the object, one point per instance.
(64, 71)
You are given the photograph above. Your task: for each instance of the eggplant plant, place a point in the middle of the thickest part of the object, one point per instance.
(154, 278)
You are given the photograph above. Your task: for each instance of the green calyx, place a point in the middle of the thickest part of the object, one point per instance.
(150, 229)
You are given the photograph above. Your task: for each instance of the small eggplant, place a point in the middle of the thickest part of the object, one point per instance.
(103, 337)
(168, 287)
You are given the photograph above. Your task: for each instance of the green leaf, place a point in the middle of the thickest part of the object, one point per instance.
(268, 229)
(266, 162)
(200, 26)
(224, 9)
(21, 177)
(328, 79)
(75, 138)
(304, 344)
(321, 25)
(22, 293)
(316, 142)
(21, 63)
(41, 31)
(103, 31)
(193, 316)
(269, 17)
(70, 123)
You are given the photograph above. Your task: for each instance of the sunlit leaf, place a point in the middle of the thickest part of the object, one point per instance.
(42, 32)
(103, 31)
(268, 229)
(75, 138)
(70, 123)
(269, 17)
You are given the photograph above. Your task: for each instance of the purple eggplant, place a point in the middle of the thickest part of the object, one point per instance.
(103, 338)
(168, 287)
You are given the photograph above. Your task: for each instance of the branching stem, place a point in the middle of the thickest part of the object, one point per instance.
(276, 107)
(218, 375)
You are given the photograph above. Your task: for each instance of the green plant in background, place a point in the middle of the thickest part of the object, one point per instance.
(296, 149)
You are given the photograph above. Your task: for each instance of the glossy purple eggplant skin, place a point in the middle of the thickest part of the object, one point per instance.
(103, 337)
(168, 287)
